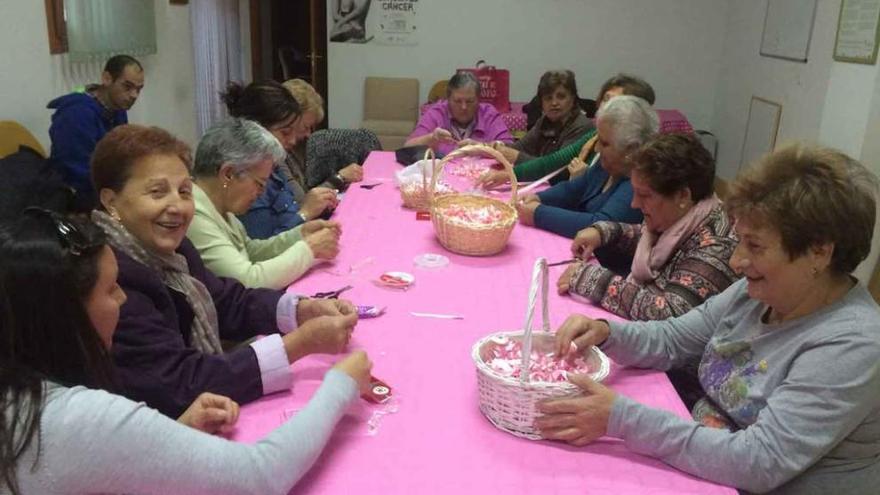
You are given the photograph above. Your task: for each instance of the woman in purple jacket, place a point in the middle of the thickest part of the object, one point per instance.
(167, 346)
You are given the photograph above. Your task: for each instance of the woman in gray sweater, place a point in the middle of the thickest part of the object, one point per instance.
(59, 305)
(788, 356)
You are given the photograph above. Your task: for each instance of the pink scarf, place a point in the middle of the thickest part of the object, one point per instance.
(653, 253)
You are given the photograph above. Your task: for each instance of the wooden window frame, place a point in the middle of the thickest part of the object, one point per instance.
(57, 27)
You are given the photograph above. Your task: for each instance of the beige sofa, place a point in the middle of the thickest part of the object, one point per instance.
(391, 109)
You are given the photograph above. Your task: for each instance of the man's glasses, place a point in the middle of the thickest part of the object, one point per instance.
(69, 234)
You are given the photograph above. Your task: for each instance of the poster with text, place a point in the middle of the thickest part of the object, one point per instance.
(396, 22)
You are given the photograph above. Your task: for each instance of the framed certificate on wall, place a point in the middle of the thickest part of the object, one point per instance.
(858, 27)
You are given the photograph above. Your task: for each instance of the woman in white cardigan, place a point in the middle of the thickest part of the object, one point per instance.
(233, 161)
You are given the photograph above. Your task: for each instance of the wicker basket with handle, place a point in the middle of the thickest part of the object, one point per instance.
(414, 192)
(511, 403)
(473, 239)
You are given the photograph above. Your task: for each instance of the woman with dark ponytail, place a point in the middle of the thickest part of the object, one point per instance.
(276, 109)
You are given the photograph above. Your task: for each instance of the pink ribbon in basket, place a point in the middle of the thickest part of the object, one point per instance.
(483, 215)
(543, 367)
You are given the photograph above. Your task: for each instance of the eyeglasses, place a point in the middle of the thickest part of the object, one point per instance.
(261, 183)
(69, 234)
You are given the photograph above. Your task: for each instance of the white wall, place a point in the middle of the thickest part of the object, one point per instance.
(800, 88)
(31, 76)
(674, 44)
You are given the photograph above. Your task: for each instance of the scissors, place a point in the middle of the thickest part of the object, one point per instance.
(331, 294)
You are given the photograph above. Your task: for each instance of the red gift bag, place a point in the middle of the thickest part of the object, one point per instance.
(494, 85)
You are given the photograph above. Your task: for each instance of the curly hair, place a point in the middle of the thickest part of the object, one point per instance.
(117, 152)
(811, 195)
(669, 162)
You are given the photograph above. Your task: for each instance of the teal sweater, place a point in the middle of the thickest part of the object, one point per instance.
(543, 165)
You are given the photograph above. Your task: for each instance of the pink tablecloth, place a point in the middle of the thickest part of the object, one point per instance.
(438, 442)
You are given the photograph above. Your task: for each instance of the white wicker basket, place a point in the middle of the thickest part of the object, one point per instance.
(511, 403)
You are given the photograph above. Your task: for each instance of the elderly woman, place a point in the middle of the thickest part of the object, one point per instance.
(273, 106)
(233, 163)
(680, 253)
(333, 157)
(577, 154)
(62, 434)
(561, 123)
(788, 355)
(459, 117)
(167, 346)
(604, 192)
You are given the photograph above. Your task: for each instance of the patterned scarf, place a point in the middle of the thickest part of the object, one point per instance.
(653, 251)
(174, 272)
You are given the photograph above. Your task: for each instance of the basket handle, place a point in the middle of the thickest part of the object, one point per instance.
(539, 274)
(429, 153)
(477, 149)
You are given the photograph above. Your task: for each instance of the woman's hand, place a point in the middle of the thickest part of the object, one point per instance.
(317, 200)
(493, 178)
(576, 167)
(564, 282)
(357, 365)
(580, 420)
(470, 142)
(314, 226)
(585, 242)
(210, 413)
(352, 173)
(441, 135)
(324, 243)
(583, 331)
(510, 153)
(306, 309)
(526, 211)
(320, 335)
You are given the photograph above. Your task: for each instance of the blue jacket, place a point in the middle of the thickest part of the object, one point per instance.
(274, 212)
(575, 204)
(78, 123)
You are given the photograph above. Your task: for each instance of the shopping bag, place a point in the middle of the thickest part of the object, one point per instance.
(494, 85)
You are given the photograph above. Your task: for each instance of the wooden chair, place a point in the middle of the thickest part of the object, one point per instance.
(391, 109)
(13, 134)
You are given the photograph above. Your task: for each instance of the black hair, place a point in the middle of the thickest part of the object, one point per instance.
(48, 267)
(116, 65)
(265, 102)
(632, 85)
(553, 79)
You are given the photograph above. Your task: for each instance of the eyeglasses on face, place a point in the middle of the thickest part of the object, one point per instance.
(72, 238)
(261, 183)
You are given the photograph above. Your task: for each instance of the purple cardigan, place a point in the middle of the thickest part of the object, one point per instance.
(154, 358)
(489, 126)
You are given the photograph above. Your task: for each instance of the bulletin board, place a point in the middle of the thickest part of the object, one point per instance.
(761, 129)
(788, 27)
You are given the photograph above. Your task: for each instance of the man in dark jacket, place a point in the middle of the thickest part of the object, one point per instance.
(82, 119)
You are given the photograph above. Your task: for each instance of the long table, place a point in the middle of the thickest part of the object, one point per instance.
(437, 441)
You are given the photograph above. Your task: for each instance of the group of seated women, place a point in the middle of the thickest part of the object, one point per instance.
(116, 325)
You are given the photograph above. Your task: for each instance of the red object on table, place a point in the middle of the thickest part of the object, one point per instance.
(438, 442)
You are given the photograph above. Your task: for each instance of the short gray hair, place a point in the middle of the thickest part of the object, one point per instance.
(239, 142)
(461, 80)
(633, 121)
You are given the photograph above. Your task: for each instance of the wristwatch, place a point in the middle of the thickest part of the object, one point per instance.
(303, 216)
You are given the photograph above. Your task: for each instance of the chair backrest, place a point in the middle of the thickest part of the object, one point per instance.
(13, 135)
(438, 91)
(391, 98)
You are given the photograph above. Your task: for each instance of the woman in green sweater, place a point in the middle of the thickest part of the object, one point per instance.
(580, 153)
